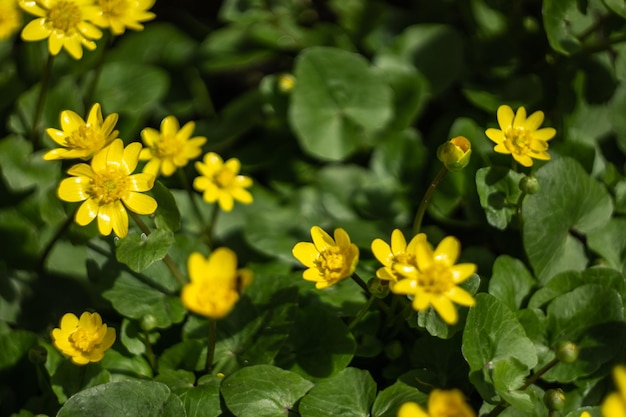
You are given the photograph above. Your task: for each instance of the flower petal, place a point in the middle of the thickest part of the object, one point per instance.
(520, 118)
(495, 135)
(411, 409)
(306, 253)
(462, 272)
(533, 121)
(460, 296)
(74, 189)
(505, 117)
(222, 265)
(140, 182)
(448, 251)
(382, 251)
(140, 203)
(321, 239)
(119, 218)
(544, 134)
(398, 242)
(87, 212)
(445, 309)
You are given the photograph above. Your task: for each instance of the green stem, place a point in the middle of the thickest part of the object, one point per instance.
(62, 229)
(210, 353)
(194, 204)
(167, 260)
(149, 352)
(362, 312)
(211, 225)
(82, 372)
(41, 99)
(108, 40)
(417, 224)
(356, 278)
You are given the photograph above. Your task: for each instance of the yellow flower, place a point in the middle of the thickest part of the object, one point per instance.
(441, 403)
(64, 22)
(82, 139)
(171, 148)
(10, 18)
(215, 283)
(329, 260)
(614, 405)
(520, 136)
(219, 181)
(108, 188)
(434, 281)
(455, 153)
(84, 340)
(121, 14)
(585, 414)
(398, 253)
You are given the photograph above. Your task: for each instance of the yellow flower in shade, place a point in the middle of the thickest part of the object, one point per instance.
(84, 340)
(220, 181)
(455, 153)
(328, 260)
(614, 405)
(520, 136)
(121, 14)
(585, 414)
(66, 24)
(215, 283)
(398, 253)
(441, 403)
(79, 138)
(10, 18)
(171, 148)
(107, 188)
(434, 282)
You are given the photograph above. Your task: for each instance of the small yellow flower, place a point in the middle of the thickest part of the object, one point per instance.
(614, 405)
(220, 181)
(84, 340)
(80, 139)
(107, 188)
(121, 14)
(520, 136)
(10, 18)
(66, 24)
(215, 283)
(171, 148)
(435, 279)
(398, 253)
(329, 260)
(585, 414)
(286, 83)
(455, 153)
(441, 403)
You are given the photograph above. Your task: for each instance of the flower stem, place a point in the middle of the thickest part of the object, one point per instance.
(149, 352)
(209, 228)
(417, 223)
(194, 205)
(210, 353)
(362, 312)
(167, 260)
(41, 99)
(356, 278)
(62, 229)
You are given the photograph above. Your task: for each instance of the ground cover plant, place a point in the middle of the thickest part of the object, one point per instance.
(312, 208)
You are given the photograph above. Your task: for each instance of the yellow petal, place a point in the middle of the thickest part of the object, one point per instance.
(222, 264)
(168, 167)
(460, 296)
(411, 409)
(321, 239)
(342, 239)
(525, 160)
(152, 167)
(423, 255)
(55, 42)
(447, 251)
(35, 30)
(186, 131)
(505, 117)
(313, 275)
(119, 218)
(534, 121)
(306, 253)
(150, 136)
(613, 406)
(382, 251)
(169, 126)
(462, 272)
(233, 165)
(398, 242)
(81, 170)
(445, 309)
(501, 148)
(520, 117)
(74, 189)
(69, 321)
(619, 375)
(405, 286)
(421, 301)
(105, 221)
(241, 195)
(140, 203)
(225, 201)
(130, 157)
(140, 182)
(495, 135)
(87, 212)
(544, 134)
(58, 136)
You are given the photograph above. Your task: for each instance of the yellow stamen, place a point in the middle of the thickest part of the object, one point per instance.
(65, 16)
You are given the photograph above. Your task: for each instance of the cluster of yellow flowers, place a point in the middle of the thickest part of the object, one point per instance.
(441, 403)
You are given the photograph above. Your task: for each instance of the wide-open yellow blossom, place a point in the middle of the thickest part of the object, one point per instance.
(220, 181)
(171, 148)
(107, 188)
(215, 283)
(66, 24)
(10, 18)
(117, 15)
(434, 281)
(614, 405)
(441, 403)
(520, 136)
(84, 340)
(395, 254)
(79, 138)
(328, 260)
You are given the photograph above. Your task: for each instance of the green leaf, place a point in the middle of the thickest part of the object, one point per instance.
(120, 366)
(508, 377)
(124, 398)
(22, 169)
(350, 393)
(14, 345)
(617, 6)
(493, 334)
(610, 242)
(389, 400)
(563, 20)
(138, 252)
(559, 213)
(167, 208)
(263, 391)
(338, 102)
(203, 400)
(499, 191)
(187, 355)
(64, 381)
(511, 282)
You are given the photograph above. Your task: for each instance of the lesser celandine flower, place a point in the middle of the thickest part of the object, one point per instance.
(220, 181)
(81, 139)
(215, 283)
(117, 15)
(455, 153)
(328, 260)
(398, 253)
(66, 24)
(614, 405)
(171, 148)
(10, 18)
(434, 282)
(107, 188)
(84, 340)
(520, 136)
(441, 403)
(585, 414)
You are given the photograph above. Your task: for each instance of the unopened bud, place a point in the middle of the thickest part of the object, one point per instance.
(455, 153)
(286, 82)
(554, 399)
(378, 288)
(566, 352)
(529, 185)
(38, 355)
(148, 323)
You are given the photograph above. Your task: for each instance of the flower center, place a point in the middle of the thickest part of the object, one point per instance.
(332, 262)
(224, 177)
(87, 138)
(108, 185)
(64, 16)
(217, 300)
(84, 340)
(436, 279)
(114, 8)
(517, 140)
(168, 146)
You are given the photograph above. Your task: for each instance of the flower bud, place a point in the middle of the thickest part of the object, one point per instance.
(148, 323)
(378, 288)
(286, 82)
(529, 184)
(455, 153)
(566, 352)
(38, 355)
(554, 399)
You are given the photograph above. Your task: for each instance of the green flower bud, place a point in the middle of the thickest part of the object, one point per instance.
(286, 82)
(455, 153)
(554, 399)
(38, 355)
(529, 185)
(148, 323)
(566, 352)
(378, 288)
